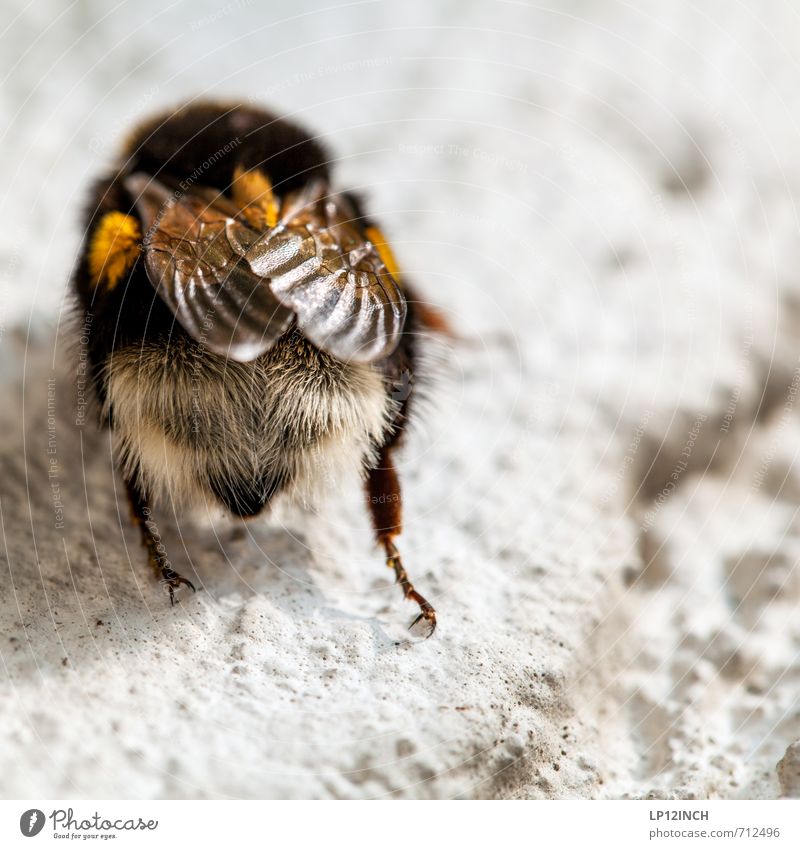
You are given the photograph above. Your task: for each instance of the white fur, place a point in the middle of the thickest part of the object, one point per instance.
(181, 417)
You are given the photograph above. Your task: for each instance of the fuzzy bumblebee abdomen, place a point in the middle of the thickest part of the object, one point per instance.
(192, 427)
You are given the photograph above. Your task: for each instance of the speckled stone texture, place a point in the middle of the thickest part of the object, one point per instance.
(601, 500)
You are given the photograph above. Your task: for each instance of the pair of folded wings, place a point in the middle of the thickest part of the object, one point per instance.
(237, 290)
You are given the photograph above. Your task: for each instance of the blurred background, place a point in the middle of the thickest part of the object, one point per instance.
(602, 500)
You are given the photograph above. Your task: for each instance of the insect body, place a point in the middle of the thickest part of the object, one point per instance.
(252, 325)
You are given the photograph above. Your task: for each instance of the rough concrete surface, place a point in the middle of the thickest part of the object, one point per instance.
(602, 498)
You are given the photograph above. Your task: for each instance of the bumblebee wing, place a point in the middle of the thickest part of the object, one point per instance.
(192, 261)
(321, 266)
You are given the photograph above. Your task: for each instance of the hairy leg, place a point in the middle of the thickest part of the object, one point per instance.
(151, 540)
(386, 510)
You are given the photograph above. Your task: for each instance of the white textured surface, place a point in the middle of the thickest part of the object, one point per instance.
(603, 199)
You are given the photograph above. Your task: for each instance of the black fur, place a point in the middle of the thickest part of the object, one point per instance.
(181, 145)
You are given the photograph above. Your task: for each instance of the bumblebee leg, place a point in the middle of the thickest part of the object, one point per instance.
(386, 510)
(151, 540)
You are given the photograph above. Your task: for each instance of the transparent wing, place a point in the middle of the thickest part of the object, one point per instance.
(192, 261)
(320, 266)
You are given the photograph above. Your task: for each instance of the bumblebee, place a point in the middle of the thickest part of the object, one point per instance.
(249, 326)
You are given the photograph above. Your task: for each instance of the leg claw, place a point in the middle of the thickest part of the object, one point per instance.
(427, 612)
(172, 580)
